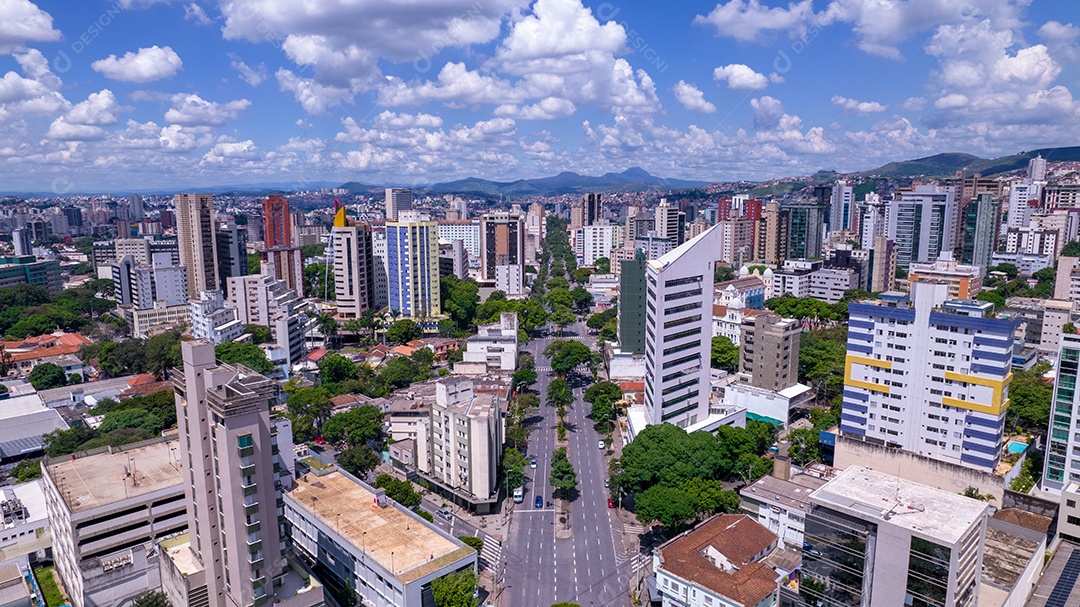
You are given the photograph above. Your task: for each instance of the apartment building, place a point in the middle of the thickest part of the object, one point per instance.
(964, 281)
(769, 352)
(354, 267)
(412, 267)
(929, 374)
(196, 232)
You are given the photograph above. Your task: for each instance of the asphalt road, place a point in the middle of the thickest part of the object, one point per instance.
(538, 569)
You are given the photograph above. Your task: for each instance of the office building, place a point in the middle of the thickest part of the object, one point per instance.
(875, 539)
(596, 241)
(678, 331)
(670, 222)
(578, 215)
(805, 226)
(881, 266)
(454, 260)
(929, 375)
(74, 219)
(460, 450)
(1062, 463)
(21, 242)
(1037, 168)
(594, 208)
(842, 212)
(282, 257)
(979, 234)
(631, 313)
(1026, 263)
(108, 509)
(1024, 199)
(412, 267)
(793, 277)
(231, 252)
(379, 258)
(503, 236)
(466, 230)
(212, 320)
(196, 233)
(964, 281)
(720, 562)
(27, 269)
(1061, 196)
(1034, 240)
(771, 236)
(871, 220)
(354, 267)
(494, 348)
(235, 470)
(386, 553)
(157, 318)
(781, 504)
(653, 245)
(922, 224)
(638, 225)
(135, 206)
(397, 200)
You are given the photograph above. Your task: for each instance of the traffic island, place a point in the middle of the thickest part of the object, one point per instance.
(564, 530)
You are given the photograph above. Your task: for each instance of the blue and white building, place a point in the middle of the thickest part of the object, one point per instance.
(929, 375)
(412, 266)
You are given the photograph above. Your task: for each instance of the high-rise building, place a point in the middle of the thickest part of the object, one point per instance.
(74, 218)
(875, 539)
(235, 474)
(281, 256)
(578, 215)
(381, 296)
(882, 266)
(979, 233)
(140, 285)
(412, 266)
(964, 281)
(596, 241)
(30, 270)
(871, 220)
(465, 230)
(196, 233)
(264, 300)
(135, 206)
(805, 224)
(678, 331)
(354, 272)
(632, 303)
(771, 239)
(769, 351)
(503, 236)
(594, 208)
(638, 225)
(922, 224)
(670, 222)
(20, 239)
(1037, 168)
(842, 207)
(1062, 465)
(212, 321)
(953, 359)
(737, 241)
(1024, 199)
(231, 252)
(397, 200)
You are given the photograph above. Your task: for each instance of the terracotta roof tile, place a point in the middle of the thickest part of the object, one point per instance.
(1025, 519)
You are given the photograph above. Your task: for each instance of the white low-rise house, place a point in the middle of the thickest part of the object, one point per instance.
(718, 564)
(25, 516)
(781, 505)
(386, 553)
(494, 348)
(728, 319)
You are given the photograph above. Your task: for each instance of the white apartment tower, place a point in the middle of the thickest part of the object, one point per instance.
(1062, 465)
(196, 234)
(929, 375)
(668, 221)
(1024, 198)
(678, 331)
(922, 223)
(397, 200)
(842, 207)
(354, 271)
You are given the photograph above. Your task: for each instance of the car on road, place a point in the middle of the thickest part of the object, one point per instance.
(444, 514)
(607, 481)
(610, 503)
(532, 461)
(519, 495)
(539, 502)
(600, 444)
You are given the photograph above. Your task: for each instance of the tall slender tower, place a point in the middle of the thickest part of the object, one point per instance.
(412, 251)
(354, 272)
(397, 200)
(196, 236)
(229, 451)
(281, 258)
(503, 236)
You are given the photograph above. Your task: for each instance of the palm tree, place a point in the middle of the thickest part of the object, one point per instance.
(328, 326)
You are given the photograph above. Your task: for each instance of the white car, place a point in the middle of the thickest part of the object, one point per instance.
(601, 445)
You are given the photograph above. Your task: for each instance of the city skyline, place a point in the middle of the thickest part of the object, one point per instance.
(137, 94)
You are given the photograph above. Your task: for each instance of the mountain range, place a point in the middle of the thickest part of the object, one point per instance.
(946, 165)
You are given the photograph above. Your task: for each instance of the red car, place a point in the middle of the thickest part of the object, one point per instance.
(610, 503)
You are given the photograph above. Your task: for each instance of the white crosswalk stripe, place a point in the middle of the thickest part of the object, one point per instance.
(490, 553)
(633, 529)
(543, 369)
(638, 562)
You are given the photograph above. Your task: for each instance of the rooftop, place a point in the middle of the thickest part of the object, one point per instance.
(392, 537)
(1006, 556)
(792, 494)
(98, 480)
(1060, 571)
(927, 511)
(735, 538)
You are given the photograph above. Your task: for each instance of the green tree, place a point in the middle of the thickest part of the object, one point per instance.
(992, 297)
(581, 275)
(400, 491)
(566, 603)
(583, 300)
(1029, 398)
(725, 355)
(47, 376)
(27, 470)
(525, 377)
(163, 352)
(562, 478)
(404, 331)
(670, 506)
(566, 355)
(723, 273)
(34, 324)
(259, 334)
(249, 355)
(711, 497)
(1071, 249)
(335, 368)
(473, 542)
(310, 402)
(155, 598)
(514, 468)
(358, 461)
(804, 447)
(563, 317)
(254, 264)
(1069, 328)
(130, 418)
(355, 427)
(603, 265)
(559, 298)
(455, 589)
(318, 282)
(559, 393)
(557, 283)
(459, 300)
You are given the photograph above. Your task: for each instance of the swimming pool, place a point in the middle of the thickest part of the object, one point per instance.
(1016, 446)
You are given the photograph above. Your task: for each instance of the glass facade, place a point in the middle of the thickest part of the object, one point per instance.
(1061, 416)
(837, 559)
(928, 574)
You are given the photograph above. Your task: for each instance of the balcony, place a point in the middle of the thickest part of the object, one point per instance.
(248, 470)
(251, 509)
(254, 527)
(247, 451)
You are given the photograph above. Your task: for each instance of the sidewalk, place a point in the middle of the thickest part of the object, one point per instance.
(496, 525)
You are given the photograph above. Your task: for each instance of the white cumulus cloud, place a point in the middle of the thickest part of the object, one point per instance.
(192, 110)
(144, 65)
(21, 21)
(692, 98)
(740, 77)
(858, 107)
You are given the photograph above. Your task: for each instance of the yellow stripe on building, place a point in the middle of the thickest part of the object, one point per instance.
(870, 362)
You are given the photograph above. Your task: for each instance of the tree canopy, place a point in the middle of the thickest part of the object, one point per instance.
(355, 427)
(404, 331)
(249, 355)
(725, 355)
(455, 589)
(47, 376)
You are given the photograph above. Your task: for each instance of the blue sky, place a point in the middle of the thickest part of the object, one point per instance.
(123, 95)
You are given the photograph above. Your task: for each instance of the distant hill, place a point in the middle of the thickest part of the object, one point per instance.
(946, 165)
(631, 180)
